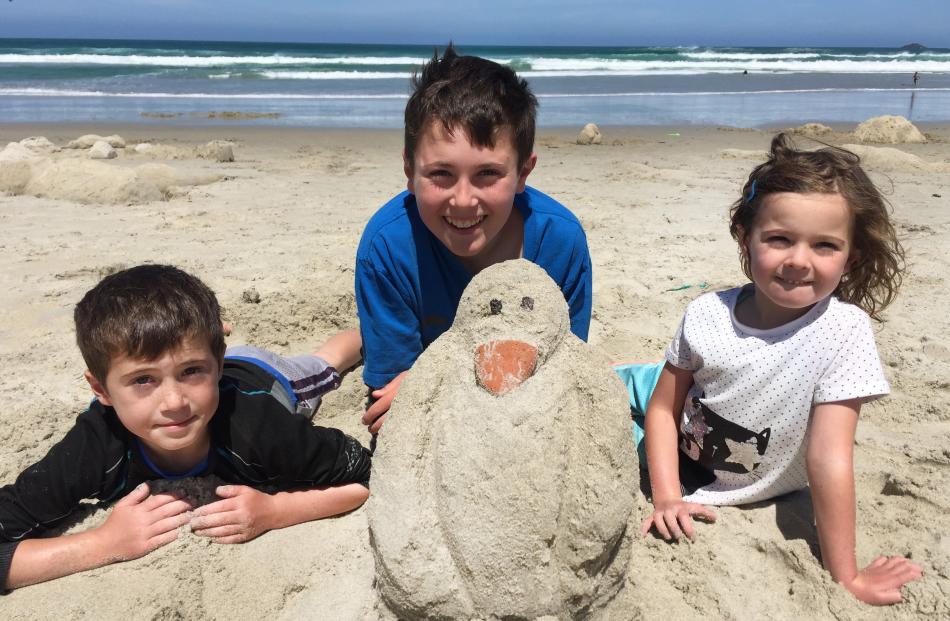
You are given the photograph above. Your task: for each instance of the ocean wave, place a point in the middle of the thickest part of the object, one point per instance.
(51, 92)
(202, 61)
(610, 66)
(331, 75)
(55, 92)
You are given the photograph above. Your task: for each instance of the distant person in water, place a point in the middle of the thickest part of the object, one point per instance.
(916, 78)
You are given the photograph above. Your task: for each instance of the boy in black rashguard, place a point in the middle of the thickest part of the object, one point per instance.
(170, 403)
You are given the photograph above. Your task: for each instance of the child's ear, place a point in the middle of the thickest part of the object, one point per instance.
(406, 168)
(526, 169)
(852, 261)
(98, 388)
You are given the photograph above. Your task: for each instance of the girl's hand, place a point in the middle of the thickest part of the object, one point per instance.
(245, 513)
(673, 519)
(880, 582)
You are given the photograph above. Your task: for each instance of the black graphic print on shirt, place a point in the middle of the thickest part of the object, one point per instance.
(720, 444)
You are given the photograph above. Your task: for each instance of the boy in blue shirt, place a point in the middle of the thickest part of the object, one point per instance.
(469, 140)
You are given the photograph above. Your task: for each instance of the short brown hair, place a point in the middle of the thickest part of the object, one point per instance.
(476, 94)
(875, 274)
(142, 312)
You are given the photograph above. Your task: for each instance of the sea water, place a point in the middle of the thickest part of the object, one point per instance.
(337, 85)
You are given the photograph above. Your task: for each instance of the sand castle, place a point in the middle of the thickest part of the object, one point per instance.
(505, 477)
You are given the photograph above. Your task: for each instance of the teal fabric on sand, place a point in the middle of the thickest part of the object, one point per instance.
(640, 380)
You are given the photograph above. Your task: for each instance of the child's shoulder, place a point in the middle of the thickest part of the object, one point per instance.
(534, 202)
(390, 219)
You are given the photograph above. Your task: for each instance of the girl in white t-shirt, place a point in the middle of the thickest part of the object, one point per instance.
(762, 384)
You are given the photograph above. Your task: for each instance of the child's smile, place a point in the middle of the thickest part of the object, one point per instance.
(465, 194)
(166, 402)
(799, 249)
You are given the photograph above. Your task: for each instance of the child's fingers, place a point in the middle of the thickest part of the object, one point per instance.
(374, 428)
(213, 520)
(219, 506)
(646, 526)
(134, 497)
(178, 507)
(659, 521)
(169, 524)
(703, 512)
(686, 523)
(240, 538)
(163, 539)
(226, 530)
(157, 500)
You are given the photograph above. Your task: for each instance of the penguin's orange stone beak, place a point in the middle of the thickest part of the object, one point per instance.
(502, 366)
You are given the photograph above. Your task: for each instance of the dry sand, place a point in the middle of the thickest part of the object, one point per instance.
(284, 219)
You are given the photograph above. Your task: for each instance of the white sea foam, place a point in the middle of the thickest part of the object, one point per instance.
(332, 75)
(612, 66)
(44, 92)
(54, 92)
(200, 61)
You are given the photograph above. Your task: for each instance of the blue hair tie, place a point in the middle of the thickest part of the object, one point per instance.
(748, 199)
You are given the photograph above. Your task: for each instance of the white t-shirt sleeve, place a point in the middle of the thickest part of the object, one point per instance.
(679, 353)
(855, 372)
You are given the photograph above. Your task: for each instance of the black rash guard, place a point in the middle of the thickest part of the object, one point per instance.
(255, 441)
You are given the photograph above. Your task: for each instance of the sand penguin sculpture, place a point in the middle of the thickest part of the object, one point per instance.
(505, 478)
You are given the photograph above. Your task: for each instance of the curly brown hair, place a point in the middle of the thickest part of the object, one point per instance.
(877, 255)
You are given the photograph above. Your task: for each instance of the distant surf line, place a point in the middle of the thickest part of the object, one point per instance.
(38, 92)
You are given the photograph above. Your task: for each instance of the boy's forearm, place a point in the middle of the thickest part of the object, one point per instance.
(300, 506)
(39, 560)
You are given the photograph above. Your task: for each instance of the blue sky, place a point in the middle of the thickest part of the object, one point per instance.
(889, 23)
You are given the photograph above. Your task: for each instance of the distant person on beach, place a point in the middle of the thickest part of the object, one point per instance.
(469, 148)
(762, 385)
(916, 78)
(171, 403)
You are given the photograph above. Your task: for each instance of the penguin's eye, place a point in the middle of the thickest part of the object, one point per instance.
(527, 303)
(495, 307)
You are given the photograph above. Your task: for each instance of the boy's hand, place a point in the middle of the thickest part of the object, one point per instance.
(375, 415)
(880, 582)
(245, 513)
(140, 523)
(673, 519)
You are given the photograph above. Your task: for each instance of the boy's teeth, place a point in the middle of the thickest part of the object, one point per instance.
(464, 224)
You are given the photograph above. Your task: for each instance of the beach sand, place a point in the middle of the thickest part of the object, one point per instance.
(284, 219)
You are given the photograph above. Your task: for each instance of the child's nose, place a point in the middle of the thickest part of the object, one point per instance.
(798, 257)
(464, 194)
(172, 396)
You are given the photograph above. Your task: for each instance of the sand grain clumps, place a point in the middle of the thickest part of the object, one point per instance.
(102, 150)
(813, 130)
(888, 129)
(88, 140)
(590, 135)
(509, 505)
(890, 159)
(88, 181)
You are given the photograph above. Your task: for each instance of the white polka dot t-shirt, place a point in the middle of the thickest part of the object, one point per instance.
(747, 413)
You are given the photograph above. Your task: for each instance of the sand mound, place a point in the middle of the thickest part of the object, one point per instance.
(888, 158)
(86, 181)
(88, 140)
(505, 490)
(217, 150)
(812, 130)
(590, 134)
(744, 154)
(888, 129)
